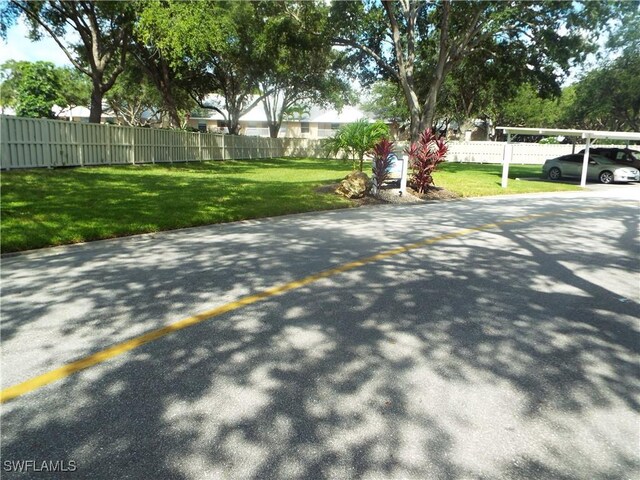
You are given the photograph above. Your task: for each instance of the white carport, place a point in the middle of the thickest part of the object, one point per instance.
(588, 135)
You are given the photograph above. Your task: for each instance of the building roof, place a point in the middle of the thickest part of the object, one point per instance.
(315, 114)
(75, 112)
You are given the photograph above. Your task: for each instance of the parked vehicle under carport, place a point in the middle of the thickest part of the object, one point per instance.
(623, 156)
(599, 168)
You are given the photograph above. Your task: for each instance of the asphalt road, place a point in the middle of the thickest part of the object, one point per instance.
(504, 352)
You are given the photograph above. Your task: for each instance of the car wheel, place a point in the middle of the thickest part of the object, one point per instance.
(606, 177)
(554, 174)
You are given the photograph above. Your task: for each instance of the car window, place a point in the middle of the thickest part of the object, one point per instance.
(600, 159)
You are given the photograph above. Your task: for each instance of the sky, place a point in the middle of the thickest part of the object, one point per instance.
(19, 47)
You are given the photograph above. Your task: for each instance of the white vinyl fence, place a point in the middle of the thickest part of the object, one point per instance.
(29, 143)
(492, 152)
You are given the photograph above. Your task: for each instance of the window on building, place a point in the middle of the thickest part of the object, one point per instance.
(304, 127)
(335, 126)
(202, 127)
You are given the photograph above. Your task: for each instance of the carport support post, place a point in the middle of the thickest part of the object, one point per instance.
(506, 158)
(585, 164)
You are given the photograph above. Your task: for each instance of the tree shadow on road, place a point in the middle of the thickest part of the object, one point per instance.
(492, 355)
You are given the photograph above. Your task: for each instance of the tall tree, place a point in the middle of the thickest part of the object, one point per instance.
(528, 109)
(419, 44)
(608, 98)
(480, 85)
(103, 29)
(31, 88)
(134, 100)
(75, 87)
(218, 40)
(170, 80)
(298, 66)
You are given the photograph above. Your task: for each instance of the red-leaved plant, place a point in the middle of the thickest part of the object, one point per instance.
(424, 157)
(382, 162)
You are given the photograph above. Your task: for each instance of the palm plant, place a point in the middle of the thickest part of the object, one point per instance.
(355, 139)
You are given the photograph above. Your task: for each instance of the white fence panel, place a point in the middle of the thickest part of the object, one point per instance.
(29, 143)
(491, 152)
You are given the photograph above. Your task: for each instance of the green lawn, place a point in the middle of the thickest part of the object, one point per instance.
(475, 180)
(53, 207)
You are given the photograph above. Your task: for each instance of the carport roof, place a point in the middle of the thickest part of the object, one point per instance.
(589, 135)
(592, 134)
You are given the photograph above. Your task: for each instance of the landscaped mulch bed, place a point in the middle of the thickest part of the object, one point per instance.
(391, 195)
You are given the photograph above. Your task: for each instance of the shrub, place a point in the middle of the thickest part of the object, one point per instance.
(356, 139)
(424, 157)
(382, 162)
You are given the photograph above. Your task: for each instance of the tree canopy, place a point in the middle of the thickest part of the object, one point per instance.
(103, 29)
(419, 44)
(423, 61)
(218, 41)
(608, 98)
(33, 88)
(299, 67)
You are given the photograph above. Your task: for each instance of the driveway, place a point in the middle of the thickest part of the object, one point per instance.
(483, 338)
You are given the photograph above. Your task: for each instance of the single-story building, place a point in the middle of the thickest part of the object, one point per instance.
(314, 123)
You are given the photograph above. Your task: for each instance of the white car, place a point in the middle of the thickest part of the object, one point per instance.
(599, 168)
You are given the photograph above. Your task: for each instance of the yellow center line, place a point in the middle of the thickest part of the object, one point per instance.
(128, 345)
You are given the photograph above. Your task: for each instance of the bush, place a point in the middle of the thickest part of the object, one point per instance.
(356, 139)
(424, 157)
(382, 162)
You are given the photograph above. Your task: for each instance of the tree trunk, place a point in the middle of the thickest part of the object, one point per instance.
(234, 110)
(95, 113)
(274, 129)
(172, 110)
(233, 124)
(274, 118)
(417, 125)
(165, 87)
(429, 109)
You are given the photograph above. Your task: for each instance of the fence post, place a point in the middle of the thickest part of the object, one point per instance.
(133, 145)
(173, 147)
(224, 154)
(78, 129)
(108, 131)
